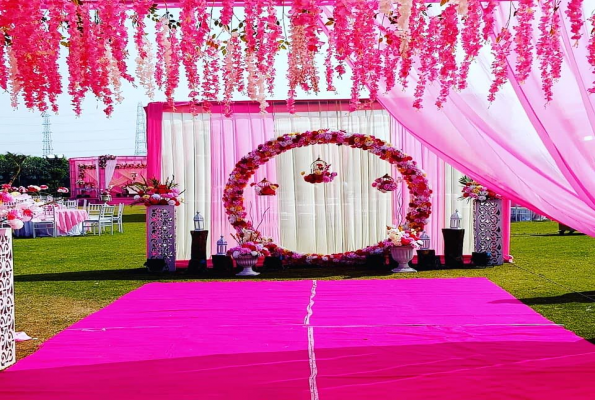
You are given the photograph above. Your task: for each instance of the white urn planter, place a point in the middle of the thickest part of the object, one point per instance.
(247, 262)
(7, 326)
(402, 255)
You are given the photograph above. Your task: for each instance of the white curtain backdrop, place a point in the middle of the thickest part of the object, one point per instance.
(345, 214)
(186, 155)
(348, 213)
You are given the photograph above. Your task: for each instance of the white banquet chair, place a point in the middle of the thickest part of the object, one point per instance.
(93, 214)
(118, 218)
(46, 222)
(72, 204)
(106, 218)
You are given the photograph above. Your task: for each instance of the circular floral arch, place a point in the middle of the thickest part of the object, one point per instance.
(418, 212)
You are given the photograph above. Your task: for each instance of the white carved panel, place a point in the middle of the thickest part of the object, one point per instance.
(7, 326)
(161, 234)
(487, 229)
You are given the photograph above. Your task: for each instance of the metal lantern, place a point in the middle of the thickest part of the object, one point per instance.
(425, 241)
(221, 246)
(199, 222)
(455, 220)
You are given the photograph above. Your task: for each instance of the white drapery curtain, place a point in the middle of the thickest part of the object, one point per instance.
(345, 214)
(186, 155)
(110, 168)
(348, 213)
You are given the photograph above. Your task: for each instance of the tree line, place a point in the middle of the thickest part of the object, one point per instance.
(25, 170)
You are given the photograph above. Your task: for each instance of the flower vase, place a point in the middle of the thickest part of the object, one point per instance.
(402, 255)
(7, 327)
(247, 262)
(161, 235)
(487, 229)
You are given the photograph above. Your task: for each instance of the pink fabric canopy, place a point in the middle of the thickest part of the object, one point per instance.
(537, 155)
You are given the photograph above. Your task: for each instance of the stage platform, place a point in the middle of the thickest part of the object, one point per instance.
(462, 338)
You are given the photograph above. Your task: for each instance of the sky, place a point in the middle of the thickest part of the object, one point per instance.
(93, 134)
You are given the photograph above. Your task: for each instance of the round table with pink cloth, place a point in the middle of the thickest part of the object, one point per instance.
(69, 222)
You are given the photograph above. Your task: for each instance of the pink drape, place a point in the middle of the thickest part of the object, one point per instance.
(434, 168)
(566, 124)
(154, 112)
(539, 157)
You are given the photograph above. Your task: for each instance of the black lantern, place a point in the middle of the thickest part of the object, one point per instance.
(199, 222)
(221, 246)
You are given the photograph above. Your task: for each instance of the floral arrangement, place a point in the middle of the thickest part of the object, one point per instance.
(130, 166)
(403, 237)
(265, 188)
(80, 182)
(107, 191)
(63, 190)
(419, 210)
(249, 249)
(6, 193)
(83, 168)
(386, 183)
(15, 216)
(472, 190)
(238, 55)
(319, 172)
(153, 192)
(104, 159)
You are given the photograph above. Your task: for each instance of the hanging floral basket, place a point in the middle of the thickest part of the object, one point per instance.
(386, 183)
(319, 172)
(265, 188)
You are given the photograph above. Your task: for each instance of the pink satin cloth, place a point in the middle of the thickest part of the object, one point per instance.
(66, 219)
(360, 339)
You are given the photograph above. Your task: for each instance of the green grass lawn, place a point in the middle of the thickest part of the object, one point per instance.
(61, 280)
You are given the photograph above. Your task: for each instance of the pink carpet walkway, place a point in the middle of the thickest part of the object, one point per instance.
(363, 339)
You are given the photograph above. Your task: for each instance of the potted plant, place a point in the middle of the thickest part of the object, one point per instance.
(402, 242)
(246, 255)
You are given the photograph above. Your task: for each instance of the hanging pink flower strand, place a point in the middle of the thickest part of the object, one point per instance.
(549, 52)
(382, 41)
(575, 15)
(302, 71)
(500, 49)
(591, 50)
(523, 39)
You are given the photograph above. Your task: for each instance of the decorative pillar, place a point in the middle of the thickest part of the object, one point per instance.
(161, 234)
(453, 247)
(198, 251)
(487, 229)
(7, 327)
